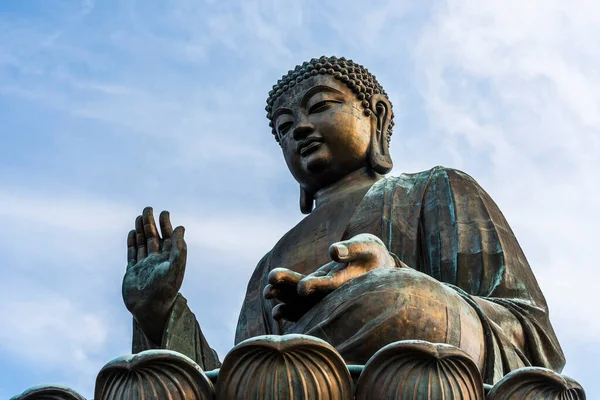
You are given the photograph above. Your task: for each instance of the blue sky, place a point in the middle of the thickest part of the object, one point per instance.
(109, 106)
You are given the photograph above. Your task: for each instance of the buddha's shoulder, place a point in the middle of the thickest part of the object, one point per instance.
(439, 175)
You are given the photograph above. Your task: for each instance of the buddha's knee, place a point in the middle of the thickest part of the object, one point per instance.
(429, 310)
(416, 306)
(388, 305)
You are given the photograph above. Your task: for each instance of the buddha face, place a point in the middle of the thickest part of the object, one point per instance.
(323, 131)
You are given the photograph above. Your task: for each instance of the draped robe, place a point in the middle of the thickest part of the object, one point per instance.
(439, 222)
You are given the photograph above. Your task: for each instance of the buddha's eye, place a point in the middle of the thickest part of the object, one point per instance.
(283, 128)
(323, 106)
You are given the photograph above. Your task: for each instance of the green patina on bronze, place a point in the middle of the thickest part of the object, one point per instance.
(377, 259)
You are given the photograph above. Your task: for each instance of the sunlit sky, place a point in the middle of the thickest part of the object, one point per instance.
(110, 106)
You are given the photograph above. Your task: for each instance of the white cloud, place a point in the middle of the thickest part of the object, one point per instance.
(508, 88)
(51, 333)
(514, 82)
(72, 213)
(65, 255)
(48, 329)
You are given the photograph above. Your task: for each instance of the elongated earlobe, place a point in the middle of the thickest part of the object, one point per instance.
(379, 153)
(306, 201)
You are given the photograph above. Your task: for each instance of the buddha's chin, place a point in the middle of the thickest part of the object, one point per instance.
(316, 162)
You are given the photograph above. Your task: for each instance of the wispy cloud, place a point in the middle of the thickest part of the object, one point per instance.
(51, 332)
(514, 83)
(77, 244)
(111, 106)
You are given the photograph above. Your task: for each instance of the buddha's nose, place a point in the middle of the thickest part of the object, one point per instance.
(303, 129)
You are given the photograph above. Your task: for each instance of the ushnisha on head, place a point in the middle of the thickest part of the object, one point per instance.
(331, 118)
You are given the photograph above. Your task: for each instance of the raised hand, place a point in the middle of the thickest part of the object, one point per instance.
(155, 270)
(350, 259)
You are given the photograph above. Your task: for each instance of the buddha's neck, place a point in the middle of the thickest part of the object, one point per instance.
(362, 178)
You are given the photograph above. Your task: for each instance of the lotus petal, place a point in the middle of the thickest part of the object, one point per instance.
(415, 369)
(286, 367)
(534, 383)
(153, 374)
(49, 392)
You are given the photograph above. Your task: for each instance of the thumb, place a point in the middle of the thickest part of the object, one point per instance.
(363, 247)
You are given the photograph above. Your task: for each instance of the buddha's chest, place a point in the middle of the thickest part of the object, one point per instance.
(306, 247)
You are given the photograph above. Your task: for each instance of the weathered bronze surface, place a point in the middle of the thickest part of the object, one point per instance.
(420, 370)
(425, 256)
(417, 276)
(153, 374)
(536, 383)
(284, 367)
(304, 367)
(49, 392)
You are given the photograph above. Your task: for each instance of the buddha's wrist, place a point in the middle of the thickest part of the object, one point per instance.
(154, 322)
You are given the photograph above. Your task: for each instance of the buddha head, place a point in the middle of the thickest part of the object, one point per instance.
(331, 117)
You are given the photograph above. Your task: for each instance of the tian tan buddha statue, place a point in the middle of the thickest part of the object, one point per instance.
(376, 260)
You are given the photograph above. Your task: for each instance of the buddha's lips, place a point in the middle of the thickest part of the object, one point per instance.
(308, 144)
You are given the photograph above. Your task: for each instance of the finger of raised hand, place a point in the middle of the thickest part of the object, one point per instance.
(279, 276)
(150, 230)
(359, 247)
(179, 248)
(131, 249)
(140, 238)
(166, 229)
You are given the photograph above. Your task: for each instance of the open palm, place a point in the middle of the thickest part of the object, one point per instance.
(155, 270)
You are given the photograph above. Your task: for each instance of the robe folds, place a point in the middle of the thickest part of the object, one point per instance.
(439, 222)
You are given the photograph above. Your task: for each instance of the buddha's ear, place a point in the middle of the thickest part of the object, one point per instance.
(306, 201)
(379, 152)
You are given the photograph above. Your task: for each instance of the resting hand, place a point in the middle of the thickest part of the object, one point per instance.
(351, 258)
(283, 286)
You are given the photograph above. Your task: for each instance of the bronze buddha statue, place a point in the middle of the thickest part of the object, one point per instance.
(376, 260)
